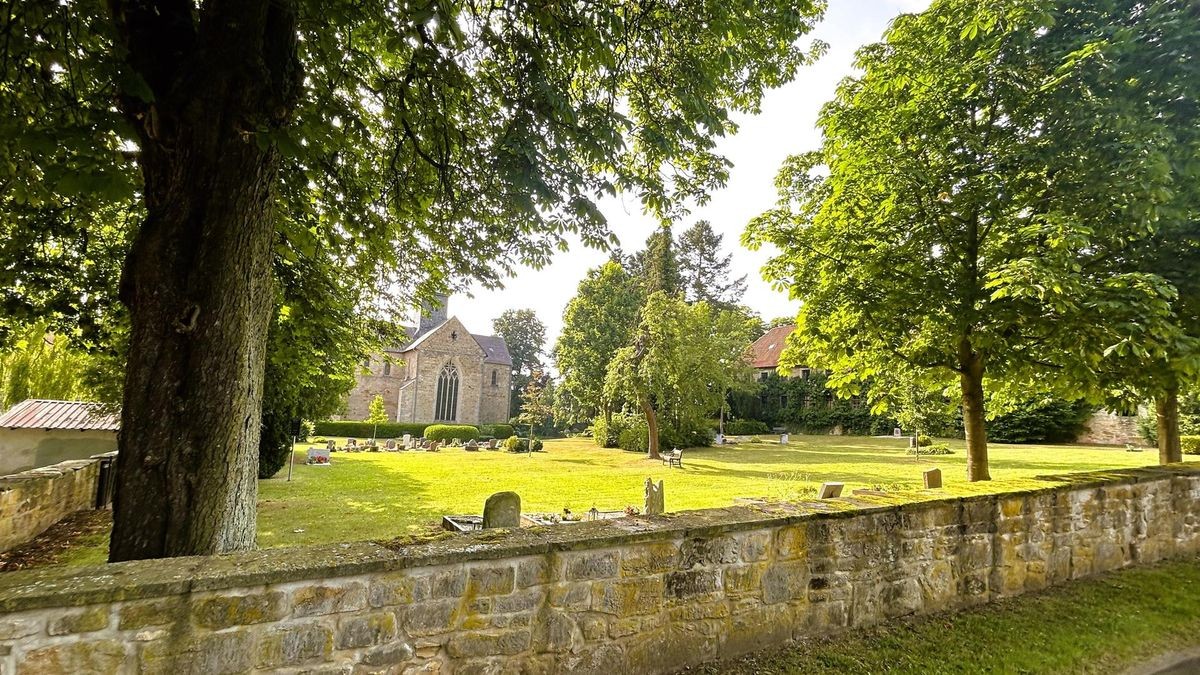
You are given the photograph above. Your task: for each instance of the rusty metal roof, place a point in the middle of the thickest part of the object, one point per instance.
(36, 413)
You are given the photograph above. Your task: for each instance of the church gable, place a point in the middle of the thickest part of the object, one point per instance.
(450, 338)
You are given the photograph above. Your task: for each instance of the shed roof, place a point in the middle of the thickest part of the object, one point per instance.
(37, 413)
(766, 349)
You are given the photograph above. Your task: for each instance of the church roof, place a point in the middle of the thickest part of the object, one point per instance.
(494, 347)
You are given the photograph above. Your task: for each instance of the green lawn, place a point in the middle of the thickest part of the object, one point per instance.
(385, 495)
(1101, 625)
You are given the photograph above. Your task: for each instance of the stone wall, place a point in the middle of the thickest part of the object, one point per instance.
(32, 501)
(635, 595)
(1106, 428)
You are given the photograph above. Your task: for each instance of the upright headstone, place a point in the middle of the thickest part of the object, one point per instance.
(318, 456)
(783, 439)
(654, 498)
(720, 440)
(391, 444)
(407, 439)
(502, 509)
(830, 490)
(933, 479)
(331, 445)
(912, 442)
(896, 432)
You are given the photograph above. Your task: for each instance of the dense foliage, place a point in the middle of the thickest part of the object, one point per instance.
(746, 427)
(807, 405)
(1041, 420)
(39, 364)
(352, 429)
(974, 186)
(451, 432)
(1189, 418)
(525, 336)
(497, 431)
(515, 444)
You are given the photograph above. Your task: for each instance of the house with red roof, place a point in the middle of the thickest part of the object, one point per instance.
(766, 350)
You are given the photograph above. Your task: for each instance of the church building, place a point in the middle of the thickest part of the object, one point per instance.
(443, 374)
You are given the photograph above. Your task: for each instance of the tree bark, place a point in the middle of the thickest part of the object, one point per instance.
(652, 426)
(198, 280)
(1166, 408)
(971, 382)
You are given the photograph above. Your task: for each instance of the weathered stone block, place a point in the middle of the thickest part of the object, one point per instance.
(791, 542)
(783, 582)
(221, 653)
(430, 618)
(628, 597)
(690, 583)
(390, 654)
(719, 550)
(387, 590)
(365, 631)
(294, 645)
(494, 643)
(222, 611)
(497, 580)
(573, 596)
(18, 627)
(86, 621)
(650, 558)
(101, 656)
(321, 599)
(144, 613)
(591, 565)
(451, 583)
(521, 601)
(533, 572)
(756, 546)
(555, 632)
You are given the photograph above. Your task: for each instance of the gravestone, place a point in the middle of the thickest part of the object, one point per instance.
(407, 439)
(912, 442)
(933, 479)
(654, 498)
(502, 509)
(783, 439)
(318, 456)
(391, 444)
(720, 439)
(830, 491)
(331, 445)
(896, 432)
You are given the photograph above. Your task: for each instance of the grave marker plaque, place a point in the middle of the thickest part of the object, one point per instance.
(502, 509)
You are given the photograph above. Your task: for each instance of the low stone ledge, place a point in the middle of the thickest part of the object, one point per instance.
(63, 587)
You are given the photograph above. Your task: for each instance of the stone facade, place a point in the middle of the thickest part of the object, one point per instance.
(634, 595)
(32, 501)
(1107, 428)
(407, 377)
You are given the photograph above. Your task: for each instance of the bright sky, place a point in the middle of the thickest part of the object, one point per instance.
(787, 125)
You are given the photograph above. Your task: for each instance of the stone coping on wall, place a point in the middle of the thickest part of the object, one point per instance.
(78, 586)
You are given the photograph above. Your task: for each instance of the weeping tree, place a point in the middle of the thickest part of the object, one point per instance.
(975, 186)
(401, 139)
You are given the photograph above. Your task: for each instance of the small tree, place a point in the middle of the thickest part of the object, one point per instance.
(536, 403)
(376, 414)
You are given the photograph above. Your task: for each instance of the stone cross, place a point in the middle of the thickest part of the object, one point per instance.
(502, 509)
(654, 498)
(933, 479)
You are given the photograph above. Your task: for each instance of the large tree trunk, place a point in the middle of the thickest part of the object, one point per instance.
(971, 382)
(1166, 408)
(198, 279)
(652, 426)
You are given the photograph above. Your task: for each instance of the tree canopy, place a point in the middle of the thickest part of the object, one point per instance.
(972, 189)
(388, 146)
(706, 269)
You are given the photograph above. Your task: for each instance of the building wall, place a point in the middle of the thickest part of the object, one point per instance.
(24, 449)
(438, 349)
(641, 595)
(374, 383)
(1106, 428)
(495, 397)
(34, 500)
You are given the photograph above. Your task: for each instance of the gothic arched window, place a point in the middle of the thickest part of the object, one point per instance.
(446, 409)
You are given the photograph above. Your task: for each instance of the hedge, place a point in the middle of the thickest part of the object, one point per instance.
(1190, 444)
(352, 429)
(514, 444)
(746, 427)
(449, 432)
(498, 431)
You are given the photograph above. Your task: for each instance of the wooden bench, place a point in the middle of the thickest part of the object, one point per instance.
(673, 458)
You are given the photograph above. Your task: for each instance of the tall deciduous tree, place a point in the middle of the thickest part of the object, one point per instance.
(525, 336)
(598, 321)
(970, 184)
(683, 361)
(418, 135)
(706, 269)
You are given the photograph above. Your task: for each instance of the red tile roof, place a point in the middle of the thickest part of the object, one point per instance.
(766, 349)
(36, 413)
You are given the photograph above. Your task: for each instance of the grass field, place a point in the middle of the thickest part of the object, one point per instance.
(387, 495)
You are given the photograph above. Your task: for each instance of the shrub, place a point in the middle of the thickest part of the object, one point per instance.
(1190, 444)
(451, 432)
(1041, 421)
(634, 438)
(364, 429)
(608, 434)
(515, 444)
(499, 431)
(924, 441)
(939, 449)
(746, 427)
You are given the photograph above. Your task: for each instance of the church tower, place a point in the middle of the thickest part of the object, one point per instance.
(433, 314)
